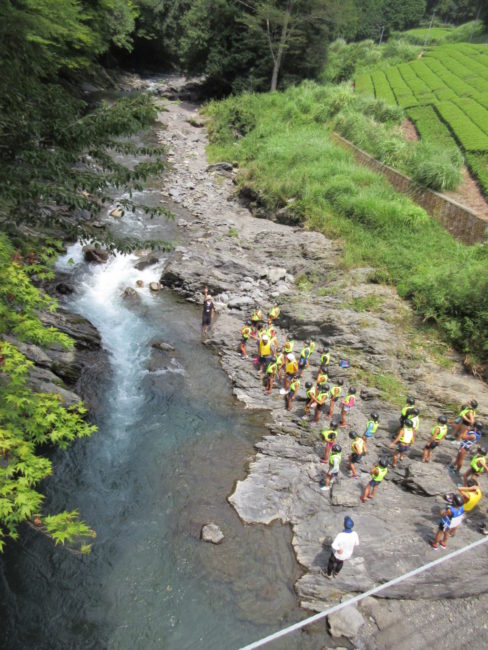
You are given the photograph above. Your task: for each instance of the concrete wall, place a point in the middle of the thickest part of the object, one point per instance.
(459, 220)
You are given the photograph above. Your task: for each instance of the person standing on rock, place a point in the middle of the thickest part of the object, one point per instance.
(465, 419)
(288, 345)
(330, 438)
(342, 549)
(404, 440)
(371, 428)
(324, 357)
(208, 312)
(271, 372)
(468, 440)
(357, 452)
(334, 465)
(378, 473)
(246, 333)
(322, 377)
(304, 358)
(347, 404)
(292, 392)
(274, 312)
(264, 352)
(311, 394)
(438, 434)
(451, 517)
(477, 466)
(335, 393)
(320, 401)
(409, 404)
(291, 369)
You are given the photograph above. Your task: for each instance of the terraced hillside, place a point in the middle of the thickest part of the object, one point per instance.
(446, 94)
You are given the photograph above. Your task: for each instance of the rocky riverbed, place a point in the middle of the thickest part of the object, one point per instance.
(246, 261)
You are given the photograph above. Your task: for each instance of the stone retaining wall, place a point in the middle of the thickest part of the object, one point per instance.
(459, 220)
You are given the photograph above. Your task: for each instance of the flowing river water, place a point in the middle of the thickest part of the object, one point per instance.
(171, 442)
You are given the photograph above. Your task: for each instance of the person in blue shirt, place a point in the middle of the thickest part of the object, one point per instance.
(468, 439)
(451, 517)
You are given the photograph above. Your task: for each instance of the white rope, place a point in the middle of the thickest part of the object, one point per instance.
(356, 599)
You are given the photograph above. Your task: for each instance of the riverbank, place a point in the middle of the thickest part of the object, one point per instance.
(247, 261)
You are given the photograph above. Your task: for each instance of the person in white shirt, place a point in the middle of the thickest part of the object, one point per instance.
(342, 548)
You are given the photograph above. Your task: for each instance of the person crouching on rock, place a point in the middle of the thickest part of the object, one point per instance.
(342, 549)
(477, 466)
(438, 434)
(357, 452)
(378, 473)
(451, 517)
(292, 392)
(208, 312)
(404, 440)
(334, 465)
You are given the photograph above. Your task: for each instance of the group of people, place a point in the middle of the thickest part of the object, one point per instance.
(283, 366)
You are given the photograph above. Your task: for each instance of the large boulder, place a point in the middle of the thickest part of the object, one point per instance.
(95, 254)
(346, 622)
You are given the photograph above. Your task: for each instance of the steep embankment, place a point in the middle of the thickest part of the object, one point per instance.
(246, 262)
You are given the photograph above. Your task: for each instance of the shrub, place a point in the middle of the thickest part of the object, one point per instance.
(432, 165)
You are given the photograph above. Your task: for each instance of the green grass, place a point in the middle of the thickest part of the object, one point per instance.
(286, 152)
(366, 303)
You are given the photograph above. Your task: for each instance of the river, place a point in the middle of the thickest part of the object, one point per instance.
(171, 442)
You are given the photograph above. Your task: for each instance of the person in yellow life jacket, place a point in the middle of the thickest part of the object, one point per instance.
(271, 372)
(357, 452)
(347, 404)
(330, 438)
(469, 440)
(264, 352)
(257, 317)
(274, 312)
(322, 377)
(335, 393)
(280, 360)
(438, 434)
(291, 369)
(310, 393)
(321, 401)
(246, 332)
(415, 418)
(311, 345)
(304, 358)
(405, 412)
(378, 474)
(288, 345)
(477, 466)
(334, 465)
(404, 440)
(371, 428)
(471, 495)
(465, 419)
(324, 357)
(292, 392)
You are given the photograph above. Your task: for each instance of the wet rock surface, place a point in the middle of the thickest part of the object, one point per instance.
(248, 262)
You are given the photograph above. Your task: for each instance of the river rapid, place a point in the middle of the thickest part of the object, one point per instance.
(171, 442)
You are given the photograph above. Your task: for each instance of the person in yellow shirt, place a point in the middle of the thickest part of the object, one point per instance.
(471, 495)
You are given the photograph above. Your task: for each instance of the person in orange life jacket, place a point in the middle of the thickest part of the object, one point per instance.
(304, 358)
(335, 393)
(357, 452)
(264, 352)
(330, 438)
(404, 440)
(465, 419)
(341, 549)
(320, 401)
(438, 434)
(347, 404)
(246, 333)
(377, 474)
(291, 369)
(208, 311)
(371, 428)
(477, 466)
(451, 517)
(468, 439)
(292, 392)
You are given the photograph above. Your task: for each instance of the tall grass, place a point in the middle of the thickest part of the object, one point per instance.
(286, 153)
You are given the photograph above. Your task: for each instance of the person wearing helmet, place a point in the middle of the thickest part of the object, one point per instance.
(271, 372)
(414, 416)
(291, 369)
(292, 392)
(451, 517)
(330, 438)
(280, 360)
(342, 549)
(477, 466)
(305, 355)
(377, 474)
(274, 312)
(264, 352)
(257, 317)
(371, 428)
(409, 403)
(246, 333)
(334, 464)
(465, 419)
(322, 377)
(335, 393)
(347, 404)
(357, 452)
(310, 393)
(288, 345)
(471, 494)
(404, 441)
(439, 432)
(325, 357)
(469, 438)
(320, 401)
